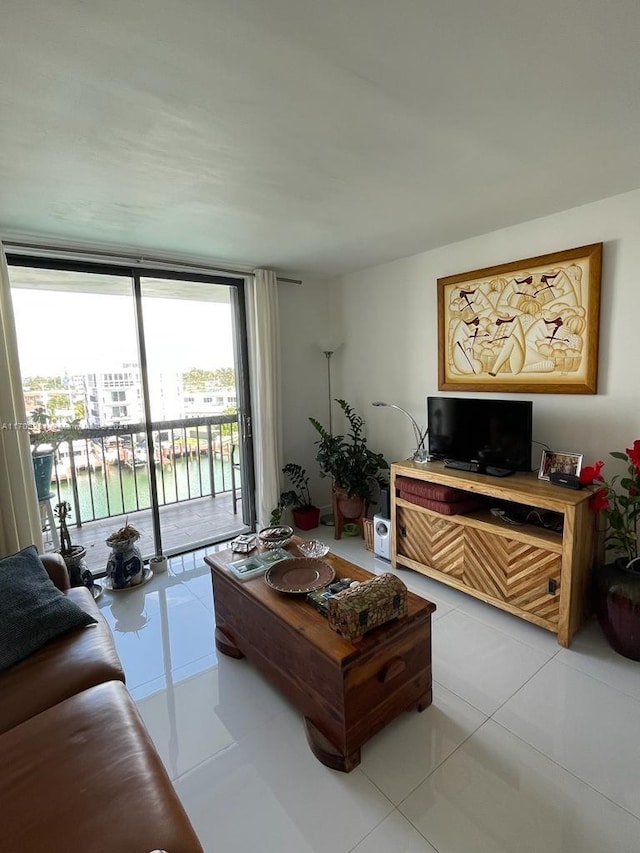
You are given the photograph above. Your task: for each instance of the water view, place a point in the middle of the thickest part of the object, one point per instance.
(119, 489)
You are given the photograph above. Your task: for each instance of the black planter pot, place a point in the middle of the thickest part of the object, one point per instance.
(42, 468)
(617, 604)
(76, 565)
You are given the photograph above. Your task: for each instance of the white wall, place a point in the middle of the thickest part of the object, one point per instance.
(390, 329)
(304, 319)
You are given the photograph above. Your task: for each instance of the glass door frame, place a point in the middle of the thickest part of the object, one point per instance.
(241, 358)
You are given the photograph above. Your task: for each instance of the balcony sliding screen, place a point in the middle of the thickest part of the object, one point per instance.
(142, 377)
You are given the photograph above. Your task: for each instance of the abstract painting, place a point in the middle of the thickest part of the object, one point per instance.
(529, 326)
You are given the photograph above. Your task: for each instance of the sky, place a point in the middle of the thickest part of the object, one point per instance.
(74, 333)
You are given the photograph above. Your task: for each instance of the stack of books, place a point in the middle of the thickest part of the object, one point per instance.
(319, 598)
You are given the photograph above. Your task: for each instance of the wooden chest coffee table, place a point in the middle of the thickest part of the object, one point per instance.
(345, 691)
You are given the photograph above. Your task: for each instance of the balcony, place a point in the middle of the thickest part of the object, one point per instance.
(103, 472)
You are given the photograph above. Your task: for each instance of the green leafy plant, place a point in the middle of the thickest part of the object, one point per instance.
(68, 550)
(63, 511)
(40, 418)
(73, 555)
(298, 497)
(347, 459)
(49, 435)
(618, 500)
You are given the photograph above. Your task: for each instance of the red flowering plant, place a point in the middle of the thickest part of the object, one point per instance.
(619, 500)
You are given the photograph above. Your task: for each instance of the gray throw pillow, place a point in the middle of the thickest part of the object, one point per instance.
(32, 610)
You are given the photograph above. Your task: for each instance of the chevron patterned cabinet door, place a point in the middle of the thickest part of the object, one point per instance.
(513, 572)
(431, 539)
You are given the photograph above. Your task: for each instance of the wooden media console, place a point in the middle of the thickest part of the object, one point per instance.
(537, 574)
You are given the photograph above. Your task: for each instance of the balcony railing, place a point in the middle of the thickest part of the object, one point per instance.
(104, 471)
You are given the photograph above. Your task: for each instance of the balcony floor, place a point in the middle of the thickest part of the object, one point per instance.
(185, 526)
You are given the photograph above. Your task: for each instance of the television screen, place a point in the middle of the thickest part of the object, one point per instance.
(486, 434)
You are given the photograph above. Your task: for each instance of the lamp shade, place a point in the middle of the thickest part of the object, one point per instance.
(327, 343)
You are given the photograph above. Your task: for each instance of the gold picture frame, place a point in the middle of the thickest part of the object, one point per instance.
(529, 326)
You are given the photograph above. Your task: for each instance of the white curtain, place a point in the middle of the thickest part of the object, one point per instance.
(20, 523)
(264, 356)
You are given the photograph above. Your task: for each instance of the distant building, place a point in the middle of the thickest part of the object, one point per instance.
(114, 397)
(200, 403)
(71, 392)
(34, 400)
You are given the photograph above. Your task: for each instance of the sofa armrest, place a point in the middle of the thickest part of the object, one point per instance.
(56, 569)
(69, 776)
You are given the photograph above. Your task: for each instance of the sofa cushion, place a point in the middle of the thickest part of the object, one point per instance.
(32, 610)
(66, 665)
(85, 776)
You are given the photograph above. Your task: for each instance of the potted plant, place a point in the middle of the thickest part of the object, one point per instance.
(73, 555)
(44, 444)
(124, 566)
(306, 516)
(353, 467)
(617, 583)
(42, 452)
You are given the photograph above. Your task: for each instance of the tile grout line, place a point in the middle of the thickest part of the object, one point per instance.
(566, 770)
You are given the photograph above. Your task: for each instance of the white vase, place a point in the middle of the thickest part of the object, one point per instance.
(158, 564)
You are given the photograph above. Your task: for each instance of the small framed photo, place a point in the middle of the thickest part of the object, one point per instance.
(559, 462)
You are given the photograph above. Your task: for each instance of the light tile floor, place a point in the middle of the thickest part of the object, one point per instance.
(527, 747)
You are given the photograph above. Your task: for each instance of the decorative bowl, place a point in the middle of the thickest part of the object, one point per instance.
(275, 537)
(313, 548)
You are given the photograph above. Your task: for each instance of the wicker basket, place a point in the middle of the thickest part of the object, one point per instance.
(367, 526)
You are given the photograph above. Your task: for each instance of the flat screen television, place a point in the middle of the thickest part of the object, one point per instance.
(488, 436)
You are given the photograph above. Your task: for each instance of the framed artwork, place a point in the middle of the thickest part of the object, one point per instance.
(530, 326)
(559, 462)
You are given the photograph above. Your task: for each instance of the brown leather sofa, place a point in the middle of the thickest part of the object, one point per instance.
(78, 768)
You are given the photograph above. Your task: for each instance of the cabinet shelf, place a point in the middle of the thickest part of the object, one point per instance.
(538, 574)
(484, 520)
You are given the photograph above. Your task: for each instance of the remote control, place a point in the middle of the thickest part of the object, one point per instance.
(339, 585)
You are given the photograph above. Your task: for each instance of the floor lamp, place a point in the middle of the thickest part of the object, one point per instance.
(328, 347)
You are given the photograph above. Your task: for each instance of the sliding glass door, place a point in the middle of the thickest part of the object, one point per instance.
(193, 361)
(141, 376)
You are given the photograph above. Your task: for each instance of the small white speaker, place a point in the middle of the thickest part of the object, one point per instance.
(382, 537)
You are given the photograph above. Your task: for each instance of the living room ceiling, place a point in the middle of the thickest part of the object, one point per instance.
(315, 136)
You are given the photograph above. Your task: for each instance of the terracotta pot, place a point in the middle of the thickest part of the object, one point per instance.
(349, 507)
(617, 604)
